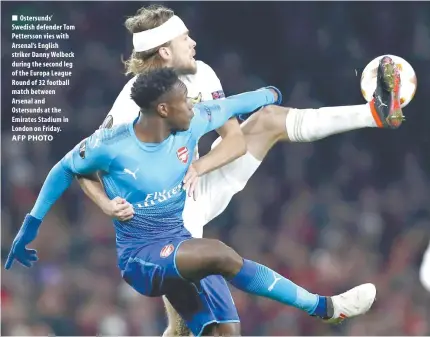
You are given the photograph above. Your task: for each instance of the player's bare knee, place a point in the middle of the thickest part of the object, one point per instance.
(273, 117)
(225, 260)
(269, 120)
(199, 258)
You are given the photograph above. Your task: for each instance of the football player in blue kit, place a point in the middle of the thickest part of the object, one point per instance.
(145, 163)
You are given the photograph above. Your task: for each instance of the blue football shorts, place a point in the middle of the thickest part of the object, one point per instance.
(152, 271)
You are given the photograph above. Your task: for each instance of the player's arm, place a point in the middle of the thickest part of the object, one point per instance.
(232, 144)
(124, 110)
(212, 115)
(91, 184)
(93, 189)
(85, 158)
(231, 147)
(117, 208)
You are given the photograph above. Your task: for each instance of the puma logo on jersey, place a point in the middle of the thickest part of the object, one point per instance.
(126, 170)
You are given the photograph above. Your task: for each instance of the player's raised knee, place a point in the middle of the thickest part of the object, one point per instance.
(269, 120)
(223, 259)
(198, 258)
(272, 115)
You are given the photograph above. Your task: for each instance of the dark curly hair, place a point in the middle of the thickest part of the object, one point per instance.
(150, 86)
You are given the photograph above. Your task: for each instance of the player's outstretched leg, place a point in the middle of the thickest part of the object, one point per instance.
(271, 124)
(198, 258)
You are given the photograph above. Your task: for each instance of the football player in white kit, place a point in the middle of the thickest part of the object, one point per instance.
(160, 38)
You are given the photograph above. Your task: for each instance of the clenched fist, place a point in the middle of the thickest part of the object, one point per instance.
(120, 209)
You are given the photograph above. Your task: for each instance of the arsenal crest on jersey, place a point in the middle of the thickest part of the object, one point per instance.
(183, 154)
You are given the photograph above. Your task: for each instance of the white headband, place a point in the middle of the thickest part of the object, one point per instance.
(158, 36)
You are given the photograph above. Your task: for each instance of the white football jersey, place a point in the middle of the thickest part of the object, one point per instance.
(204, 85)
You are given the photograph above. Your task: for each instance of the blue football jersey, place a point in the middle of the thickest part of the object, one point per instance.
(149, 176)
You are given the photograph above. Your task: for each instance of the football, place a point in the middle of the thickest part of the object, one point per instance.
(408, 79)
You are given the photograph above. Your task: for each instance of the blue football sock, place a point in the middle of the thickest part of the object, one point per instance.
(260, 280)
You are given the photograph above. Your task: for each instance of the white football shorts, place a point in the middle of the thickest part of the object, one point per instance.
(215, 190)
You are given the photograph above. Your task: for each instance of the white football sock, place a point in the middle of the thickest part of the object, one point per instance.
(307, 125)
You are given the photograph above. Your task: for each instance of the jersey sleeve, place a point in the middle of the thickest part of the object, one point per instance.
(211, 115)
(211, 81)
(87, 157)
(124, 109)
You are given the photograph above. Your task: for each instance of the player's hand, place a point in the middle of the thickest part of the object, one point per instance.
(190, 182)
(120, 209)
(26, 235)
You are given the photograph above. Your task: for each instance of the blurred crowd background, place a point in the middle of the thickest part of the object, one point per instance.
(330, 215)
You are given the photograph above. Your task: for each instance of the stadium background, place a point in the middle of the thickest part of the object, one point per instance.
(329, 215)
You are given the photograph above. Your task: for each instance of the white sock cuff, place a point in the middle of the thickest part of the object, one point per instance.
(306, 125)
(291, 123)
